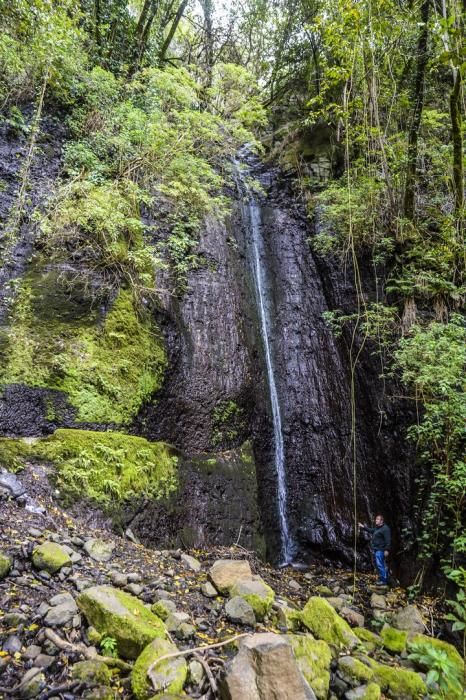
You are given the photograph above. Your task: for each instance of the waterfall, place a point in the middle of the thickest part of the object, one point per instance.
(252, 214)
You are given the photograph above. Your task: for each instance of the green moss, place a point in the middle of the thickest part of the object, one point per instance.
(228, 421)
(324, 591)
(313, 658)
(321, 619)
(370, 640)
(13, 453)
(92, 671)
(394, 640)
(5, 565)
(161, 609)
(399, 683)
(452, 653)
(257, 593)
(120, 615)
(107, 369)
(372, 691)
(109, 467)
(171, 673)
(50, 557)
(354, 670)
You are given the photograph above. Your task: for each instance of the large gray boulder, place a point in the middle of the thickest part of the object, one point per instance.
(410, 620)
(224, 573)
(238, 610)
(265, 669)
(99, 550)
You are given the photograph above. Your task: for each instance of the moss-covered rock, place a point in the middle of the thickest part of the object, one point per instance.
(313, 658)
(257, 593)
(452, 653)
(399, 683)
(163, 608)
(354, 671)
(108, 468)
(324, 591)
(321, 619)
(370, 640)
(5, 565)
(92, 671)
(394, 640)
(170, 674)
(287, 619)
(106, 366)
(50, 557)
(12, 453)
(371, 691)
(120, 615)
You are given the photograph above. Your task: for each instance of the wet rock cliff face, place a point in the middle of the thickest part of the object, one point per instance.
(217, 357)
(214, 397)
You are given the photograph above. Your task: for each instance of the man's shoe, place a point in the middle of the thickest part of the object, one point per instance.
(380, 583)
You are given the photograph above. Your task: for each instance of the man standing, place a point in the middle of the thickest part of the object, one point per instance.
(380, 545)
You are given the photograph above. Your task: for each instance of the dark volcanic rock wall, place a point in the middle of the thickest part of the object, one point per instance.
(216, 355)
(314, 387)
(210, 357)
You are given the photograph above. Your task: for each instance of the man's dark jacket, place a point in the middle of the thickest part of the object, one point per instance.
(380, 537)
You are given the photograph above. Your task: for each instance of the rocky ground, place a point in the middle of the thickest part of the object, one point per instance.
(85, 613)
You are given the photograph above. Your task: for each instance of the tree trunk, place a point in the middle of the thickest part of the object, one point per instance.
(172, 30)
(457, 138)
(141, 35)
(418, 105)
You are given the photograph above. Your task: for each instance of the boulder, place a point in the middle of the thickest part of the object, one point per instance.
(120, 615)
(208, 590)
(99, 550)
(378, 602)
(257, 593)
(5, 565)
(11, 483)
(410, 620)
(238, 610)
(60, 615)
(264, 669)
(92, 671)
(353, 671)
(163, 608)
(185, 631)
(170, 675)
(313, 658)
(323, 591)
(191, 562)
(175, 619)
(32, 683)
(398, 683)
(394, 640)
(50, 557)
(352, 617)
(321, 619)
(224, 573)
(370, 640)
(371, 691)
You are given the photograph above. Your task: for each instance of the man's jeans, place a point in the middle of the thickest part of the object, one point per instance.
(381, 566)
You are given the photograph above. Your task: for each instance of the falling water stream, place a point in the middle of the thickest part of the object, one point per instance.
(252, 214)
